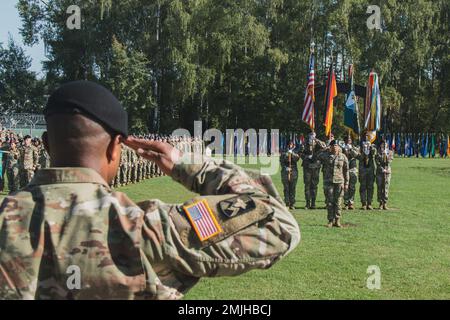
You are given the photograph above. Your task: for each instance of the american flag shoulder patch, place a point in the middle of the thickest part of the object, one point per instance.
(202, 219)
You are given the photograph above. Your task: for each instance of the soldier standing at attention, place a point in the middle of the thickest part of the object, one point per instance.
(134, 158)
(4, 146)
(130, 153)
(367, 173)
(124, 165)
(383, 159)
(330, 138)
(289, 174)
(335, 166)
(44, 158)
(116, 180)
(352, 153)
(68, 215)
(29, 161)
(311, 168)
(12, 167)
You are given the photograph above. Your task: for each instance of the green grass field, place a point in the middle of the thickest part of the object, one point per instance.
(410, 244)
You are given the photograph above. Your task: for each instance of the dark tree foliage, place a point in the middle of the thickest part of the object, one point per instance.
(244, 63)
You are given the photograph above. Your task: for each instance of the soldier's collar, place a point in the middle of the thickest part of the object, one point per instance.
(67, 175)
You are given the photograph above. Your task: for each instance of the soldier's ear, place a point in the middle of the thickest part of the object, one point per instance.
(114, 148)
(45, 142)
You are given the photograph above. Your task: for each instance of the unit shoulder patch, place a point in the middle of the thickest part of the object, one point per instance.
(237, 205)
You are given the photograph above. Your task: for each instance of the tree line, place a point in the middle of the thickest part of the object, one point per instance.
(236, 63)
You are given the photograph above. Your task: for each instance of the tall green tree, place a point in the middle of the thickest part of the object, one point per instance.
(244, 63)
(20, 89)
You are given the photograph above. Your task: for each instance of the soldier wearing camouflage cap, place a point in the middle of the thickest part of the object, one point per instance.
(69, 220)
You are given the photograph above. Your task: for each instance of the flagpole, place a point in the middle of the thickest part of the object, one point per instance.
(311, 53)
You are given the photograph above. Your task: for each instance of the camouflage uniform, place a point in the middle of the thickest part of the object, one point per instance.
(336, 179)
(144, 169)
(69, 218)
(289, 176)
(134, 166)
(383, 160)
(139, 168)
(116, 180)
(44, 159)
(13, 169)
(28, 163)
(148, 163)
(352, 154)
(125, 165)
(311, 170)
(3, 147)
(131, 157)
(367, 174)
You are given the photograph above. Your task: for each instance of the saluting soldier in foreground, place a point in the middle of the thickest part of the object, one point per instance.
(69, 220)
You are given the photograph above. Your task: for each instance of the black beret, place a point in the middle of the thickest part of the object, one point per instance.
(333, 142)
(92, 99)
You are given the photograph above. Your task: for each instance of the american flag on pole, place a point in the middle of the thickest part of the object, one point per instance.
(308, 106)
(202, 219)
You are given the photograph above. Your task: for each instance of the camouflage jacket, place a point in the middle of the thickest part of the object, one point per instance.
(12, 158)
(44, 159)
(335, 167)
(29, 158)
(384, 160)
(352, 153)
(67, 235)
(309, 153)
(133, 158)
(124, 156)
(367, 157)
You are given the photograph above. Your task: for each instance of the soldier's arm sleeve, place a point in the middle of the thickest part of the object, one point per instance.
(359, 156)
(322, 145)
(35, 158)
(377, 159)
(354, 152)
(256, 229)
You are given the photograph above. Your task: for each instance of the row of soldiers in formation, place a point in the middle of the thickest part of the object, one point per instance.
(133, 168)
(23, 156)
(342, 165)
